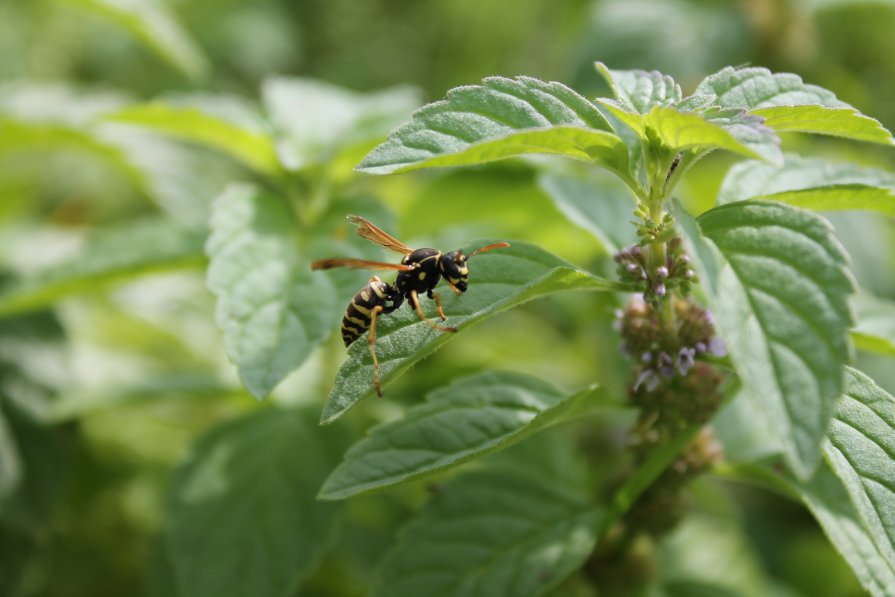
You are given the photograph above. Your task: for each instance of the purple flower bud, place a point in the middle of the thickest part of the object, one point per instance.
(700, 347)
(636, 251)
(646, 357)
(688, 274)
(665, 359)
(662, 271)
(660, 290)
(685, 259)
(632, 267)
(717, 347)
(667, 372)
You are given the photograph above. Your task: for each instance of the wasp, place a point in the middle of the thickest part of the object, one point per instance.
(419, 272)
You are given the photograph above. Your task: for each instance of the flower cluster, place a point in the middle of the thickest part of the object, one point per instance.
(656, 283)
(661, 351)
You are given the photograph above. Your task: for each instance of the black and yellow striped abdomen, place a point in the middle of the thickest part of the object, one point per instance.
(359, 313)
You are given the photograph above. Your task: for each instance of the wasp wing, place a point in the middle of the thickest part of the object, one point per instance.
(369, 231)
(358, 264)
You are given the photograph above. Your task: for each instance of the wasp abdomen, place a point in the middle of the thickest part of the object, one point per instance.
(359, 312)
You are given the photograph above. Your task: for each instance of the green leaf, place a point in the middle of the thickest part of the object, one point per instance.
(498, 281)
(272, 309)
(729, 130)
(111, 256)
(861, 451)
(10, 463)
(829, 502)
(777, 282)
(243, 518)
(226, 124)
(468, 419)
(751, 88)
(788, 104)
(315, 118)
(640, 90)
(154, 24)
(597, 206)
(821, 120)
(811, 183)
(500, 118)
(492, 532)
(875, 330)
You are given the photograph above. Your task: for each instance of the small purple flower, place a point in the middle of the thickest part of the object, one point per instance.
(660, 290)
(632, 267)
(646, 357)
(701, 347)
(685, 259)
(662, 271)
(685, 359)
(688, 274)
(717, 347)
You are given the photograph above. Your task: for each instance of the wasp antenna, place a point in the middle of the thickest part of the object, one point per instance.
(488, 248)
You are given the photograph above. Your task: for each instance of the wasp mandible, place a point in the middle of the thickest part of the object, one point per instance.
(419, 272)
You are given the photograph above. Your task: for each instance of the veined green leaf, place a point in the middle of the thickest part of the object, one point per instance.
(829, 503)
(777, 282)
(468, 419)
(272, 310)
(155, 25)
(821, 120)
(497, 531)
(602, 209)
(225, 124)
(786, 102)
(811, 183)
(751, 88)
(640, 90)
(243, 518)
(498, 281)
(861, 450)
(500, 118)
(875, 330)
(729, 129)
(113, 255)
(315, 118)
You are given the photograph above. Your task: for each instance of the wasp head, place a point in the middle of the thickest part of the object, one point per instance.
(454, 269)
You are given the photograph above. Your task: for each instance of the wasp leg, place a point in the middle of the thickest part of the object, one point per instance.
(437, 298)
(371, 342)
(415, 301)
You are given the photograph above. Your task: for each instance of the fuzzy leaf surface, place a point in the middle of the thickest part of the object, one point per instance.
(243, 518)
(822, 120)
(468, 419)
(492, 533)
(787, 104)
(861, 450)
(730, 130)
(829, 502)
(777, 282)
(499, 119)
(498, 280)
(811, 183)
(640, 90)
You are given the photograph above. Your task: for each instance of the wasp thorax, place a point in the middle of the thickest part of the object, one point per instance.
(454, 269)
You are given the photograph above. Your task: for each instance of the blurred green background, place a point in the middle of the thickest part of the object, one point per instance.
(105, 385)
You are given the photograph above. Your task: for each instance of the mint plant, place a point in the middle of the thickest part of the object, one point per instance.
(736, 326)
